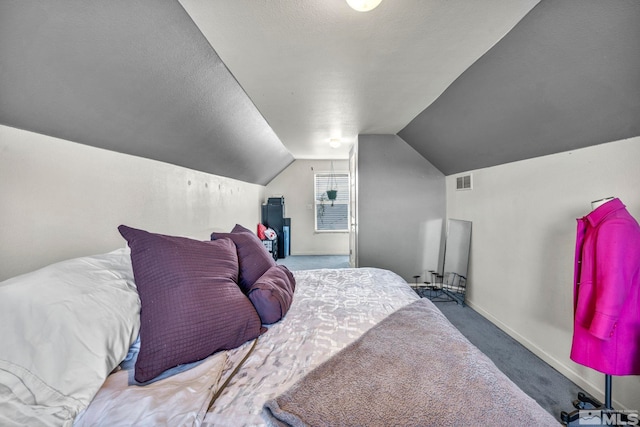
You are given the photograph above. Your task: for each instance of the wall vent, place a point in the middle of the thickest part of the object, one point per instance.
(464, 182)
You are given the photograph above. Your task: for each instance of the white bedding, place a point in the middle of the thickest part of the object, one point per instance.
(63, 329)
(181, 400)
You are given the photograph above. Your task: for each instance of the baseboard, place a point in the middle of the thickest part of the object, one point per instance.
(595, 390)
(315, 254)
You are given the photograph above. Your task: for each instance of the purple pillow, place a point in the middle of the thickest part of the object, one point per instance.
(253, 257)
(191, 306)
(272, 293)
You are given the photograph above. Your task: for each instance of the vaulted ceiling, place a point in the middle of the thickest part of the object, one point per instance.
(566, 77)
(240, 88)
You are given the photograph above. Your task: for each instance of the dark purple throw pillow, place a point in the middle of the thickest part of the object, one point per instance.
(272, 293)
(253, 257)
(191, 306)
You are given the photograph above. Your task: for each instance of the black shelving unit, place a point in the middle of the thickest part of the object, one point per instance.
(273, 217)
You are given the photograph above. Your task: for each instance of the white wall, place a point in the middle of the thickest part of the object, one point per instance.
(60, 200)
(523, 242)
(296, 184)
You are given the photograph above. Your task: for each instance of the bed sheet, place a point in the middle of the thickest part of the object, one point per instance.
(180, 400)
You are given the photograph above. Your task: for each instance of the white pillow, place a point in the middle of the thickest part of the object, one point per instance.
(63, 329)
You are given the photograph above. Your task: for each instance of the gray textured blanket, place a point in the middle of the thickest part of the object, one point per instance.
(412, 369)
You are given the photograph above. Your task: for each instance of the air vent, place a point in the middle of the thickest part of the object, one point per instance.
(464, 182)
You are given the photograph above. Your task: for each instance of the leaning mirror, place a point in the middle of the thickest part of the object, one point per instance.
(456, 259)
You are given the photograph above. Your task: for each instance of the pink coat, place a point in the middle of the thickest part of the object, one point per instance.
(606, 302)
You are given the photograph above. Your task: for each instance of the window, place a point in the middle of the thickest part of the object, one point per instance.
(332, 215)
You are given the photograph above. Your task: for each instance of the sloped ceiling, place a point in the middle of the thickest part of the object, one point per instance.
(136, 77)
(566, 77)
(240, 88)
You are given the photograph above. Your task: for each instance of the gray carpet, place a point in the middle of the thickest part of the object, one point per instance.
(313, 262)
(552, 390)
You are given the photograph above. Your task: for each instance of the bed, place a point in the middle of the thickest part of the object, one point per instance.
(347, 346)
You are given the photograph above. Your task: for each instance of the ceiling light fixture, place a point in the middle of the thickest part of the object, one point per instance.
(363, 5)
(334, 143)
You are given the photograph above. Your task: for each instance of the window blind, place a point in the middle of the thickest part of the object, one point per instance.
(332, 215)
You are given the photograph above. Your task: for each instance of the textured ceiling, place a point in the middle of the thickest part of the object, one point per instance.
(319, 70)
(136, 77)
(566, 77)
(240, 88)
